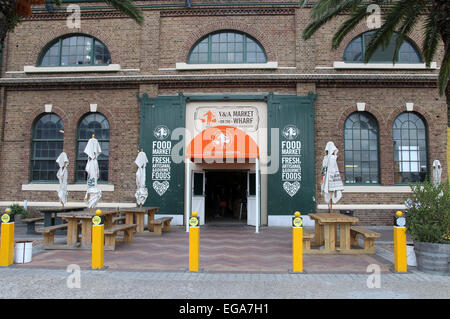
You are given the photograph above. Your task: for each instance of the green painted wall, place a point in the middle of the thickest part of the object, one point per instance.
(291, 189)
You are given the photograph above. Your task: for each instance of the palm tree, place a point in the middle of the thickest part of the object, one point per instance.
(12, 10)
(400, 18)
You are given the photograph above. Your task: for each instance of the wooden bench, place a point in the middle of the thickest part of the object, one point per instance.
(119, 220)
(307, 238)
(368, 236)
(49, 233)
(161, 224)
(31, 222)
(110, 235)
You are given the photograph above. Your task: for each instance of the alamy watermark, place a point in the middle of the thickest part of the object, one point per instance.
(373, 21)
(374, 279)
(74, 279)
(74, 19)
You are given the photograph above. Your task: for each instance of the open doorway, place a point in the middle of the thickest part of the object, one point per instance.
(226, 196)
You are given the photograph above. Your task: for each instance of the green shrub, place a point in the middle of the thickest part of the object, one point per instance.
(428, 213)
(19, 210)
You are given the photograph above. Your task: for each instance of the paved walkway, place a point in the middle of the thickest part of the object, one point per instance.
(236, 263)
(32, 283)
(222, 249)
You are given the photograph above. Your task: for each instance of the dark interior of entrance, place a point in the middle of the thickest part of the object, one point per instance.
(226, 196)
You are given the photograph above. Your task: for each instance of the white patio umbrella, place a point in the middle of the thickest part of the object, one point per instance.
(93, 193)
(63, 162)
(331, 185)
(142, 192)
(437, 172)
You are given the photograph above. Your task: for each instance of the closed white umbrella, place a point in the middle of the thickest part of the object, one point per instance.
(93, 193)
(331, 185)
(63, 162)
(142, 192)
(437, 172)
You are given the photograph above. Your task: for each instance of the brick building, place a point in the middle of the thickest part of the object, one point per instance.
(248, 66)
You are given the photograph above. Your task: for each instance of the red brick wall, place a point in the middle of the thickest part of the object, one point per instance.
(166, 38)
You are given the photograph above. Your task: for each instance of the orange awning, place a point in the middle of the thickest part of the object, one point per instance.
(222, 142)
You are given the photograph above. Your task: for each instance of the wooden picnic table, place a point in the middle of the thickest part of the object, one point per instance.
(50, 214)
(326, 233)
(85, 217)
(139, 214)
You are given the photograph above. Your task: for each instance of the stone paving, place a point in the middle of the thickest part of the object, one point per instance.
(234, 249)
(238, 265)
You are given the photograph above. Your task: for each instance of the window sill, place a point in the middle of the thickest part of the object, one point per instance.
(72, 69)
(187, 67)
(389, 66)
(70, 188)
(376, 189)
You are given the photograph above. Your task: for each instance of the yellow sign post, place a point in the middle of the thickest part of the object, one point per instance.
(297, 243)
(194, 242)
(7, 239)
(98, 240)
(400, 243)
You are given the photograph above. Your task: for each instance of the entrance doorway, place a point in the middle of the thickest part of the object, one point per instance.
(226, 195)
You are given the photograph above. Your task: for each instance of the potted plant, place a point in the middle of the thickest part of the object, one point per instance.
(428, 223)
(19, 212)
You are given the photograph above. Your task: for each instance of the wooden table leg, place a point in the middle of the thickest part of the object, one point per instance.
(72, 232)
(109, 221)
(318, 234)
(151, 217)
(344, 237)
(129, 218)
(140, 223)
(86, 233)
(330, 237)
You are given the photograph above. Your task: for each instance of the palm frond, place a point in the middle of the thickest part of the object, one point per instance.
(431, 39)
(127, 7)
(313, 26)
(411, 16)
(382, 36)
(444, 73)
(348, 25)
(321, 7)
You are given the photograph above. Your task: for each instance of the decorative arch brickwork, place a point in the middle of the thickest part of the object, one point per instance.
(236, 26)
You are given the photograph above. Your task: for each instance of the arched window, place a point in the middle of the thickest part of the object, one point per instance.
(97, 124)
(47, 144)
(410, 148)
(75, 50)
(355, 51)
(361, 149)
(227, 47)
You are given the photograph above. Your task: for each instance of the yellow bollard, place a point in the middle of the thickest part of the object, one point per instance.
(98, 240)
(400, 264)
(297, 243)
(7, 239)
(194, 242)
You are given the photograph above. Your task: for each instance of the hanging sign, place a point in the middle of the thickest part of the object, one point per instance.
(243, 117)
